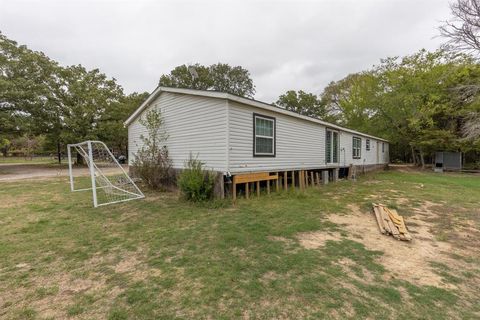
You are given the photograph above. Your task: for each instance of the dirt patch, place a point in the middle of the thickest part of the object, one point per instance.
(314, 240)
(67, 288)
(408, 261)
(14, 172)
(134, 265)
(281, 239)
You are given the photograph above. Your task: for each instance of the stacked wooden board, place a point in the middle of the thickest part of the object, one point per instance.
(391, 223)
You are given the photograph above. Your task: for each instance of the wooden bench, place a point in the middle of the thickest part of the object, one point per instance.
(253, 177)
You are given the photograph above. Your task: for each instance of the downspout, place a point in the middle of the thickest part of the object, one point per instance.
(228, 138)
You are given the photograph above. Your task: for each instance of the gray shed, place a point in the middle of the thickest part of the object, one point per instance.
(450, 161)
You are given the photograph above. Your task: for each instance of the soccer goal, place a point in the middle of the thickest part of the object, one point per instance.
(108, 180)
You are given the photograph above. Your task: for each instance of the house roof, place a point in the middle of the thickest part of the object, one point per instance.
(242, 100)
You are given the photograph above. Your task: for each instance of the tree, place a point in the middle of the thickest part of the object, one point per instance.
(4, 146)
(471, 127)
(111, 129)
(463, 29)
(351, 100)
(191, 77)
(28, 83)
(66, 104)
(220, 77)
(307, 104)
(152, 162)
(418, 102)
(463, 34)
(235, 80)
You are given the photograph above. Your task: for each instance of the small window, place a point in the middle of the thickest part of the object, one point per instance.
(357, 148)
(264, 136)
(367, 144)
(383, 147)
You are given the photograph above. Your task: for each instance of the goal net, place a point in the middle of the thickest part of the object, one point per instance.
(108, 180)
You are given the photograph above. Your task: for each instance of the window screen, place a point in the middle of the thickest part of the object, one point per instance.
(357, 148)
(264, 132)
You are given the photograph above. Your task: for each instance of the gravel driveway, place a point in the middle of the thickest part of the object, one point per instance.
(12, 172)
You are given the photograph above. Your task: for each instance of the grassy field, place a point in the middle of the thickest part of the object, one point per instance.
(290, 255)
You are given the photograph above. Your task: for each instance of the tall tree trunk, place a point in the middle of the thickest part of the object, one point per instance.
(422, 159)
(59, 152)
(79, 159)
(414, 156)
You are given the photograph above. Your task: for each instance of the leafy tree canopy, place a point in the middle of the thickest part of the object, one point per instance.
(418, 102)
(307, 104)
(66, 104)
(220, 77)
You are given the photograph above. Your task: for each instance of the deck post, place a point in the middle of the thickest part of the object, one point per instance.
(324, 176)
(258, 188)
(305, 173)
(301, 180)
(234, 189)
(268, 186)
(336, 173)
(312, 181)
(247, 191)
(285, 178)
(318, 178)
(219, 186)
(293, 180)
(277, 183)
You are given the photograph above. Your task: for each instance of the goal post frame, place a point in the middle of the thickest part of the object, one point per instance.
(93, 170)
(92, 173)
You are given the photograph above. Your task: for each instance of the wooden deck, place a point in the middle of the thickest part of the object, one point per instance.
(293, 179)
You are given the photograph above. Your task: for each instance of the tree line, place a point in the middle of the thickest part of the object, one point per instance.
(44, 102)
(421, 103)
(44, 106)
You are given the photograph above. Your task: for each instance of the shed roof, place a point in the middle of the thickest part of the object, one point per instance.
(235, 98)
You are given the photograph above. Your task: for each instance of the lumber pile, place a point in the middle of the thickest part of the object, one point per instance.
(391, 223)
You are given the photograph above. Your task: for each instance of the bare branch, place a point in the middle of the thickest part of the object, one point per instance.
(463, 30)
(471, 127)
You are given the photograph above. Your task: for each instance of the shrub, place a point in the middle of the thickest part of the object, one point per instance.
(195, 182)
(152, 163)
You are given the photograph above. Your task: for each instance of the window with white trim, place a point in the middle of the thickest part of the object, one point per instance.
(356, 148)
(367, 144)
(383, 147)
(264, 136)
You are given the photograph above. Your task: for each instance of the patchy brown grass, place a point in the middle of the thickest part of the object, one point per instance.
(409, 261)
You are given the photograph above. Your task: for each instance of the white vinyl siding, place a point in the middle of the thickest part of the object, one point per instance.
(299, 143)
(196, 125)
(221, 133)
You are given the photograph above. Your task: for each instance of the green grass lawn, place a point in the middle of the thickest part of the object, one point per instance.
(162, 258)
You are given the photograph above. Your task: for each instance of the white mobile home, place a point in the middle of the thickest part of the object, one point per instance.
(234, 135)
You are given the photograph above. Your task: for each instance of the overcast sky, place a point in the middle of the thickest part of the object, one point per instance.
(285, 44)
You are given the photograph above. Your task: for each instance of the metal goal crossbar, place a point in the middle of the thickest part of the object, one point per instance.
(108, 180)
